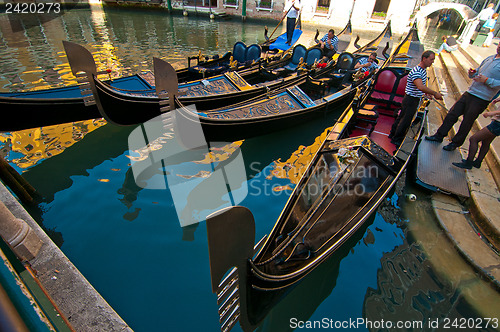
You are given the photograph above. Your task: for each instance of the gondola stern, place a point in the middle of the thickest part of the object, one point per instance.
(79, 58)
(166, 82)
(265, 33)
(356, 42)
(388, 32)
(231, 238)
(83, 67)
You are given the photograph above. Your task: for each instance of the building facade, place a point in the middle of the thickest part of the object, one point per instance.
(365, 14)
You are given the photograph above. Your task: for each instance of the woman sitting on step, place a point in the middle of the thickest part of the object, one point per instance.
(449, 44)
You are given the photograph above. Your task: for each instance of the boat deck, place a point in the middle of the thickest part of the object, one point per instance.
(434, 169)
(380, 134)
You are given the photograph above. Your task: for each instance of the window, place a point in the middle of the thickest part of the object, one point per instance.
(380, 9)
(230, 3)
(265, 5)
(323, 6)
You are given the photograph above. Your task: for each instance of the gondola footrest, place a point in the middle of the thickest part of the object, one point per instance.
(368, 114)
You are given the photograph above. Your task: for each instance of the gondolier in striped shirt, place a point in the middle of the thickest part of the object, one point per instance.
(368, 64)
(415, 89)
(329, 44)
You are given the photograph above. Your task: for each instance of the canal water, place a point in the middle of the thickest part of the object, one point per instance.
(145, 249)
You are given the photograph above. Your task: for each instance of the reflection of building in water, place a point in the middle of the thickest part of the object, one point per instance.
(30, 146)
(409, 291)
(296, 165)
(40, 63)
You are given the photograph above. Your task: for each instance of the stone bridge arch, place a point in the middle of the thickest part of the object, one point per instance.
(464, 11)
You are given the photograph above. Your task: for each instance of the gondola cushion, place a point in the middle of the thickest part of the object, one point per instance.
(299, 51)
(400, 91)
(389, 90)
(253, 53)
(368, 114)
(239, 52)
(313, 55)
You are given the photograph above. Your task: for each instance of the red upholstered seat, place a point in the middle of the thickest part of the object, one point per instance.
(388, 91)
(380, 96)
(384, 85)
(400, 91)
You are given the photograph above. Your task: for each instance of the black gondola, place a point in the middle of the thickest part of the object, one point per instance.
(282, 102)
(121, 107)
(72, 103)
(351, 174)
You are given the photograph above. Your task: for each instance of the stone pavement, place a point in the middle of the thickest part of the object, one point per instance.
(476, 235)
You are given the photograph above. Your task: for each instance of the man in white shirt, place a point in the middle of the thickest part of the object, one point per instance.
(485, 15)
(292, 8)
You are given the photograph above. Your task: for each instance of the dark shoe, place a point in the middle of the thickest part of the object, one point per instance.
(477, 163)
(450, 147)
(466, 164)
(434, 138)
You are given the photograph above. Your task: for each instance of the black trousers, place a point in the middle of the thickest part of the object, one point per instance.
(328, 52)
(470, 107)
(409, 107)
(290, 27)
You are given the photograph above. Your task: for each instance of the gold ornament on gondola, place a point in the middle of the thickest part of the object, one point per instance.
(233, 64)
(358, 75)
(301, 65)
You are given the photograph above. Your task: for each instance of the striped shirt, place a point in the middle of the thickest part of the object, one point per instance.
(334, 41)
(372, 66)
(411, 88)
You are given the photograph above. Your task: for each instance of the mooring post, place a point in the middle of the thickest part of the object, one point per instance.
(18, 235)
(16, 182)
(244, 10)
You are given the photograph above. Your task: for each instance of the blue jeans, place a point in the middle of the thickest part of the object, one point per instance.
(447, 47)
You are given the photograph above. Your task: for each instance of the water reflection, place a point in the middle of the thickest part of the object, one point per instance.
(126, 44)
(294, 167)
(26, 148)
(411, 288)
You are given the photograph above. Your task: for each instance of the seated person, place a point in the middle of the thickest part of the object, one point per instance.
(449, 44)
(368, 64)
(328, 44)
